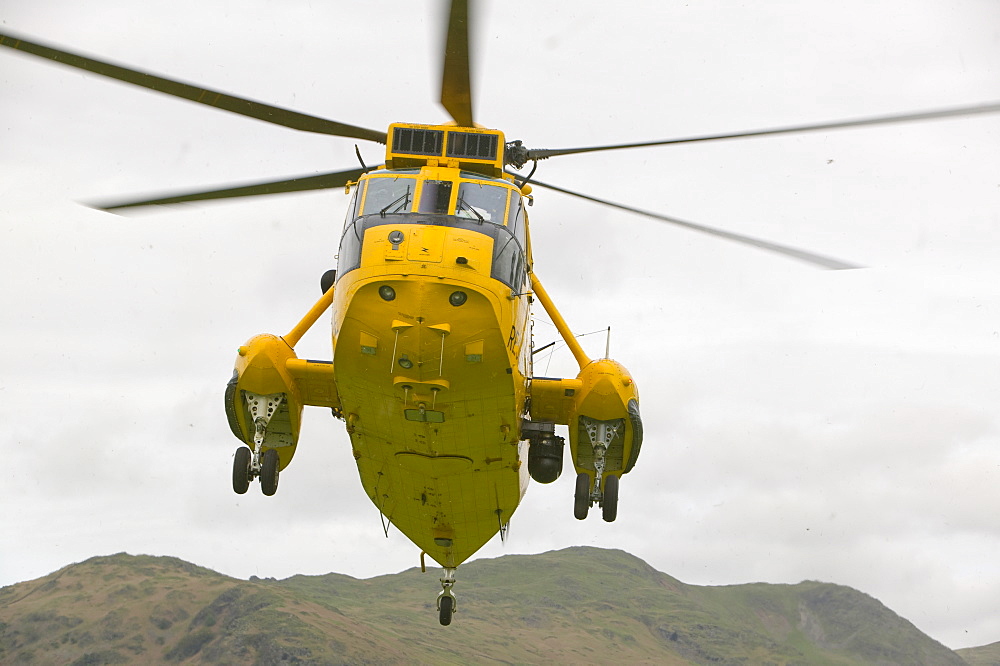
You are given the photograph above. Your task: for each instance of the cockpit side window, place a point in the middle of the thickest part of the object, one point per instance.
(352, 207)
(515, 218)
(389, 195)
(509, 265)
(483, 202)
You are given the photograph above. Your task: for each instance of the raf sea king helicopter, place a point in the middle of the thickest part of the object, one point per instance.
(431, 368)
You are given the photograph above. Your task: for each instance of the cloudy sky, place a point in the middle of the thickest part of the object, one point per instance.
(841, 426)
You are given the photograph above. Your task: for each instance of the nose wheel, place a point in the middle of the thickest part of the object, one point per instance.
(446, 599)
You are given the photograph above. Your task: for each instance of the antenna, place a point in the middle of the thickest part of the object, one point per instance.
(607, 345)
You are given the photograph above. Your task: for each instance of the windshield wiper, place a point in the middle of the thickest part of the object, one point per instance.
(405, 199)
(462, 205)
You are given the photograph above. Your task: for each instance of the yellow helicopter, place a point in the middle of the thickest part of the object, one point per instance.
(431, 366)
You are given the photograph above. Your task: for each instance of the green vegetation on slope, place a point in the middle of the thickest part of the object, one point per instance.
(579, 605)
(985, 655)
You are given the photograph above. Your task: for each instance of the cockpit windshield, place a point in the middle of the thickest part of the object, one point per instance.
(383, 198)
(483, 202)
(389, 195)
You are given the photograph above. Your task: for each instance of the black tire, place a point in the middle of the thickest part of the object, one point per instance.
(241, 470)
(581, 500)
(609, 506)
(327, 280)
(446, 610)
(269, 472)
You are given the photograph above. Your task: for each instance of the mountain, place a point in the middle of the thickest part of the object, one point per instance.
(579, 605)
(986, 655)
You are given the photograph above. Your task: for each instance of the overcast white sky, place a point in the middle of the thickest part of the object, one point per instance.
(800, 423)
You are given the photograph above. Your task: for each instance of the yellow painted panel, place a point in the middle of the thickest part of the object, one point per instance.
(426, 243)
(369, 344)
(554, 399)
(315, 382)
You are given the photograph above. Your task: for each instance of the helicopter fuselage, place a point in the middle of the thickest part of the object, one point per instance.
(430, 358)
(431, 367)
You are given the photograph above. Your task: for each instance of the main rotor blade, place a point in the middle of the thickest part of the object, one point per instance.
(219, 100)
(456, 87)
(801, 255)
(839, 124)
(298, 184)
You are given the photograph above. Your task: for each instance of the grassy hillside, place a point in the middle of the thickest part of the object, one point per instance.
(987, 655)
(580, 605)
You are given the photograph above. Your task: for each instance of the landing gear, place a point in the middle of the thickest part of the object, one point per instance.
(269, 472)
(241, 470)
(609, 505)
(245, 470)
(327, 280)
(446, 608)
(581, 500)
(601, 435)
(446, 599)
(605, 494)
(248, 464)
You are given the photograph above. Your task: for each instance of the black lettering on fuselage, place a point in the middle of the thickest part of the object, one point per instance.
(513, 340)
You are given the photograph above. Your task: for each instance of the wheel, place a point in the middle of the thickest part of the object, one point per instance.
(327, 280)
(241, 470)
(581, 500)
(609, 507)
(446, 608)
(269, 472)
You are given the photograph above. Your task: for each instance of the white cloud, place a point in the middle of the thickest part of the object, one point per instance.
(800, 423)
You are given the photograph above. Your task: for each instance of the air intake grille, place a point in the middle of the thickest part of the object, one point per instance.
(468, 145)
(417, 141)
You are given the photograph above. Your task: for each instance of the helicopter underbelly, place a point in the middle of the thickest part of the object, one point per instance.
(433, 404)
